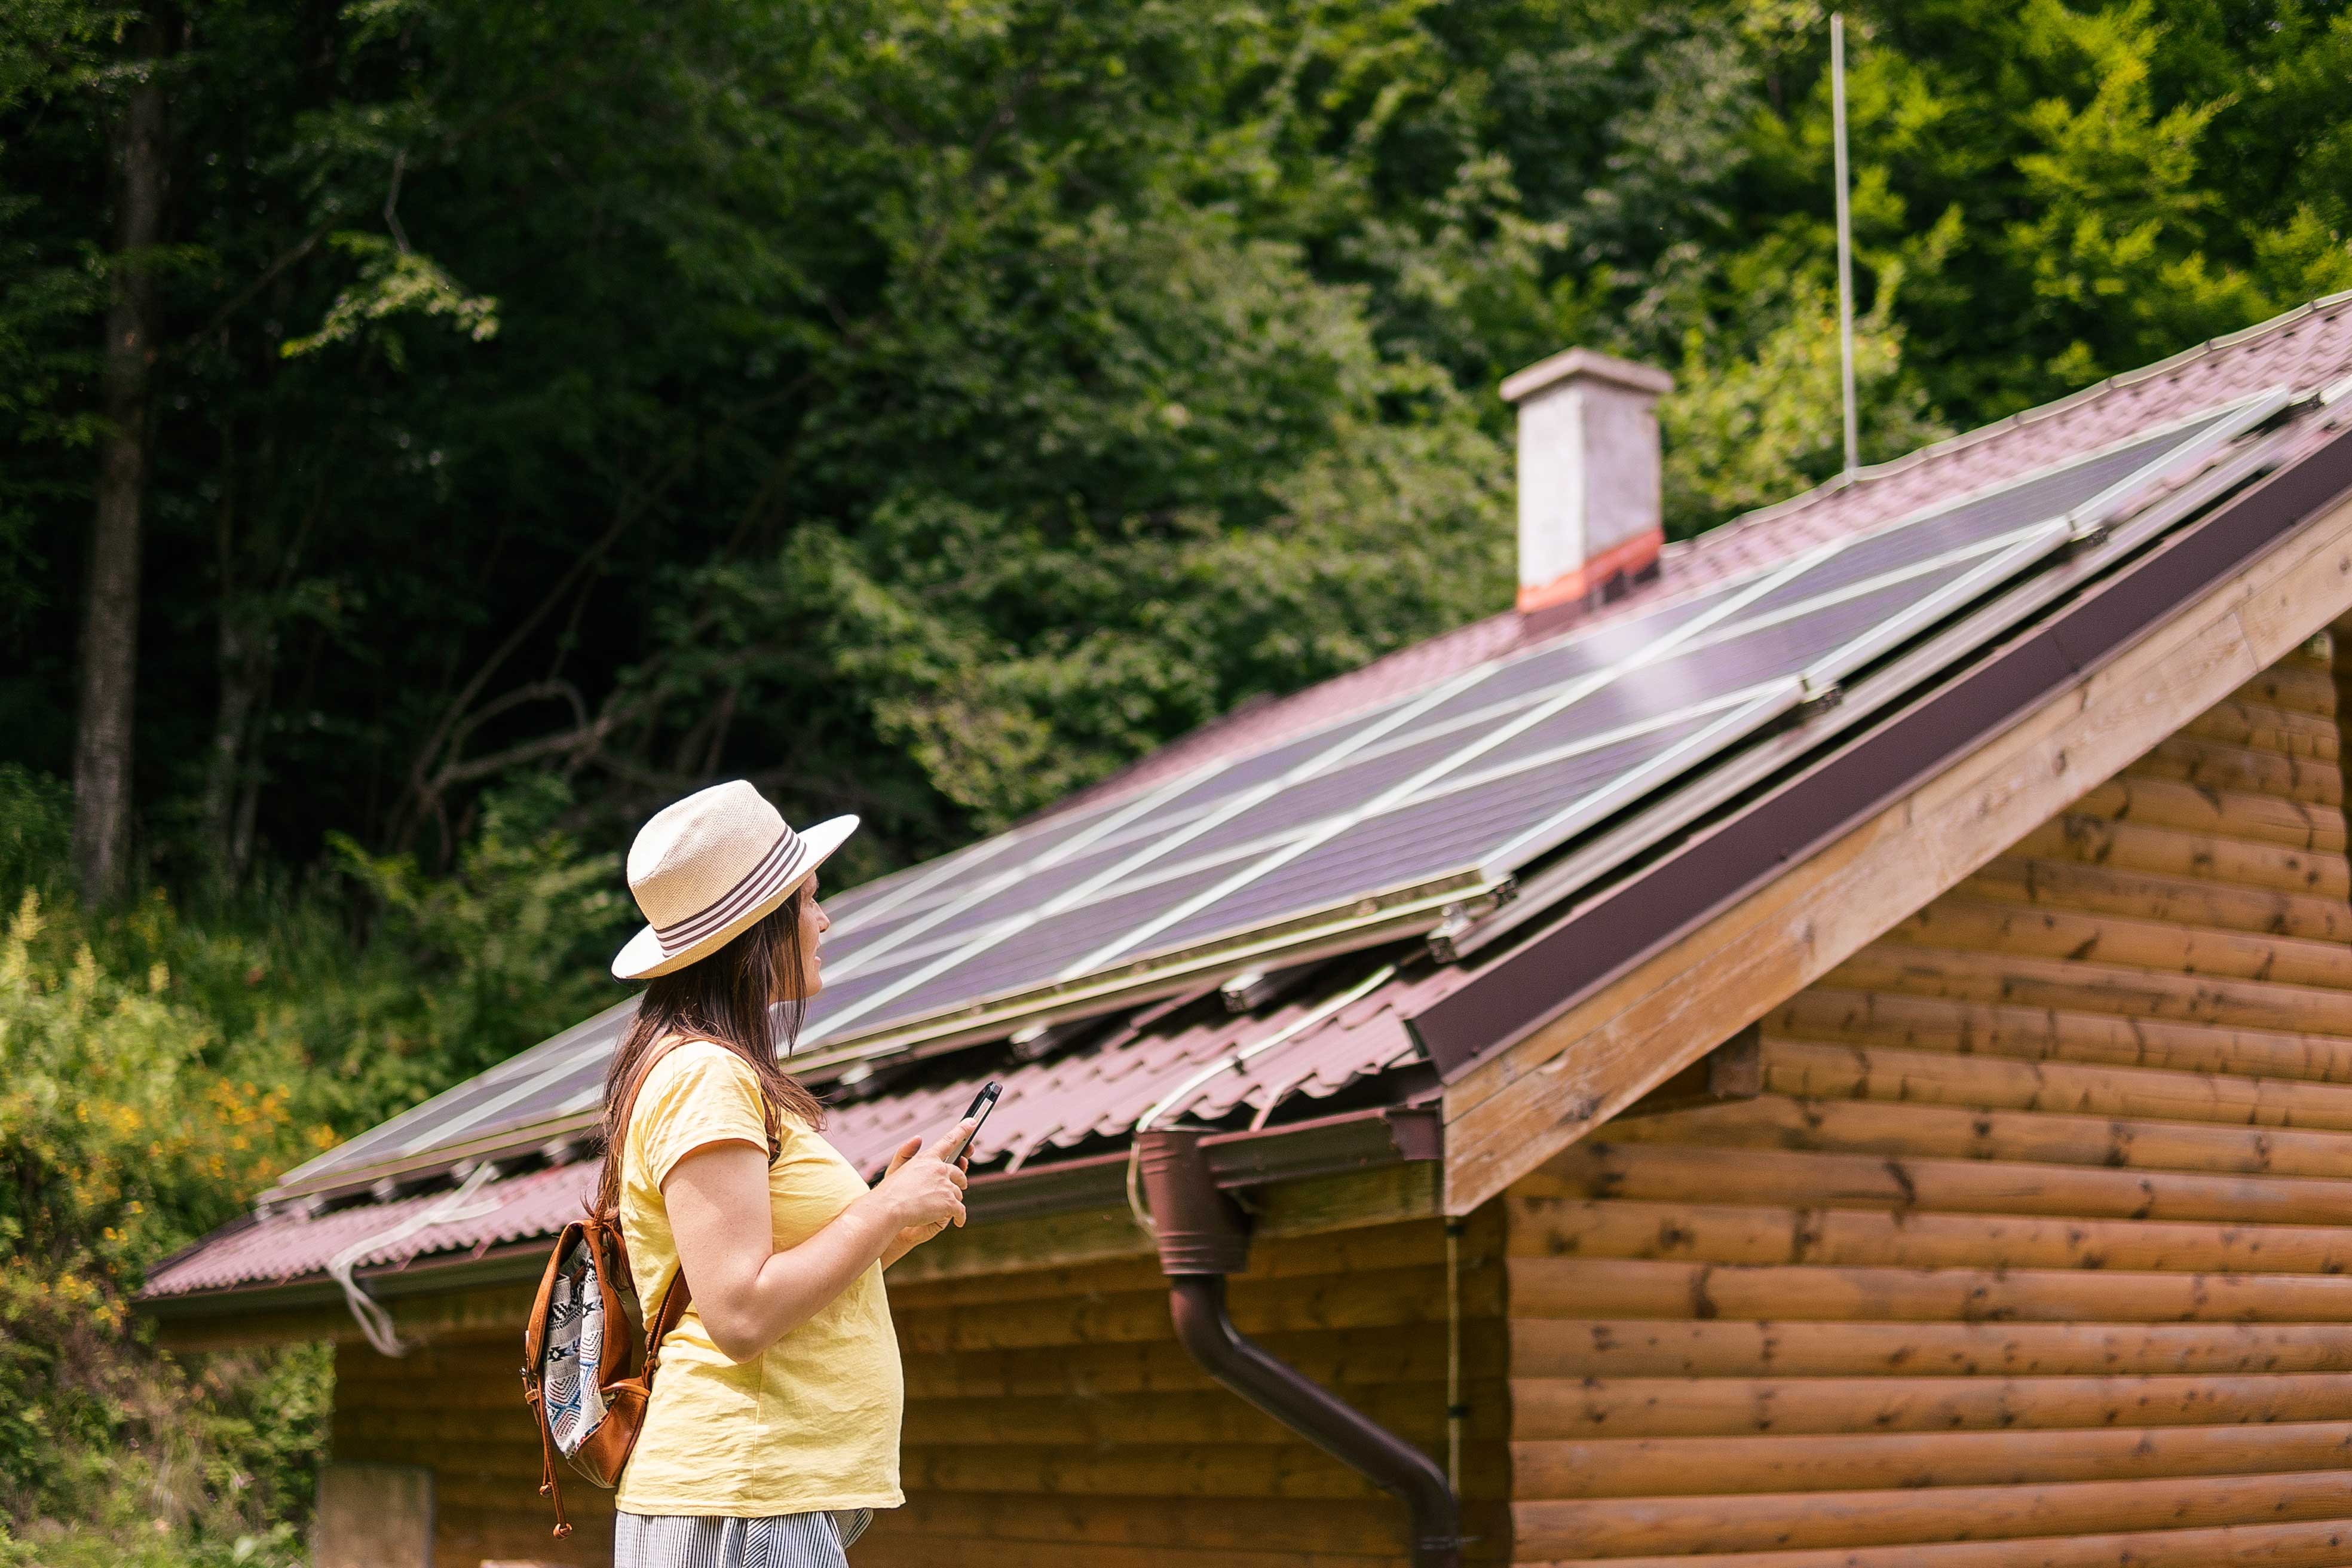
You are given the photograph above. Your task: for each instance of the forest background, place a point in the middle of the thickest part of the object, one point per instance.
(468, 425)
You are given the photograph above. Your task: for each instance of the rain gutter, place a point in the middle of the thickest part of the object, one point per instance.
(1202, 1237)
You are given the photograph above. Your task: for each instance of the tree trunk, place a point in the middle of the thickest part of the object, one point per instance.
(243, 637)
(242, 677)
(109, 651)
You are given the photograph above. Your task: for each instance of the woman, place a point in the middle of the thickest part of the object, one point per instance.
(772, 1432)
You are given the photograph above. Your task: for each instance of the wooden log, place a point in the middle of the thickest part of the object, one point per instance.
(422, 1319)
(2259, 816)
(1231, 1451)
(1162, 1471)
(890, 1543)
(1797, 1520)
(1620, 1348)
(1859, 1237)
(2020, 980)
(1561, 1409)
(1373, 1298)
(1744, 1234)
(2297, 684)
(510, 1467)
(458, 1488)
(1213, 1417)
(1978, 925)
(1344, 1359)
(2214, 765)
(1313, 1206)
(1305, 1524)
(1896, 1131)
(1687, 1173)
(1807, 1068)
(2318, 1544)
(1419, 1243)
(2236, 722)
(2169, 852)
(1415, 1410)
(2044, 1033)
(1871, 1462)
(1642, 1288)
(424, 1426)
(2175, 900)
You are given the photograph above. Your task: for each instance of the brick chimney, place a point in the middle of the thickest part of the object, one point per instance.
(1589, 525)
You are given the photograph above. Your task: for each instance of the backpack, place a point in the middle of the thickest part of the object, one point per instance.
(575, 1346)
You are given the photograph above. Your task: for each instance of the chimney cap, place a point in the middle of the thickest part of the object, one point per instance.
(1586, 363)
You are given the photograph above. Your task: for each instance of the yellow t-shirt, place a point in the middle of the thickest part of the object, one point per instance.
(812, 1421)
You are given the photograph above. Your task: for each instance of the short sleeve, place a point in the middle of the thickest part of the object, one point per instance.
(696, 1095)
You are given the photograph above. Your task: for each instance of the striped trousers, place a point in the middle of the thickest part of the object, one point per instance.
(697, 1540)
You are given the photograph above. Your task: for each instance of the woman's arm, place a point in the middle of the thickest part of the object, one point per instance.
(748, 1294)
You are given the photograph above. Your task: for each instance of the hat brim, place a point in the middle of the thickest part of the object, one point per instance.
(643, 958)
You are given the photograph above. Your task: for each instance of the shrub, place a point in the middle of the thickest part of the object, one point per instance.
(158, 1067)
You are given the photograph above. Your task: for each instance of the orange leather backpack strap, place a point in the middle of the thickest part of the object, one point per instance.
(534, 1333)
(672, 1312)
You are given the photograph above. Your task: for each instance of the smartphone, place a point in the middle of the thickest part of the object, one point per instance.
(981, 1104)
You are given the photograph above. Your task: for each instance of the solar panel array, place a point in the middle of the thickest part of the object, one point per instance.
(1434, 797)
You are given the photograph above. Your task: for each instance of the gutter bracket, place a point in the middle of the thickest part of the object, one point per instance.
(1202, 1237)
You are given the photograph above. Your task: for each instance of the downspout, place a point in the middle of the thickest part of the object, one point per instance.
(1202, 1238)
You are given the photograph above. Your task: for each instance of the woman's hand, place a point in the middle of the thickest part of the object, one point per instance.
(924, 1191)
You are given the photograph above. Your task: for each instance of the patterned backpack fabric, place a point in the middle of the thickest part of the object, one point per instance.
(572, 1406)
(575, 1348)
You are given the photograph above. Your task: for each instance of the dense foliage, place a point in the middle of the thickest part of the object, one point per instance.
(924, 410)
(919, 409)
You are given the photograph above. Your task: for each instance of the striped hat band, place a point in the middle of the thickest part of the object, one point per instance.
(758, 884)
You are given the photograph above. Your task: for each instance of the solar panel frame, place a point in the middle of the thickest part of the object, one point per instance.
(831, 1022)
(1459, 816)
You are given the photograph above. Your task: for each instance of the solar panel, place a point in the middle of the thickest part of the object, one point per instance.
(1382, 815)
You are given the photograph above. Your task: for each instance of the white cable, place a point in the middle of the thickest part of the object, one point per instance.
(1227, 1063)
(373, 1320)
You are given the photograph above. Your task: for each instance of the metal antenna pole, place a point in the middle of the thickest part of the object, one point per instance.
(1845, 233)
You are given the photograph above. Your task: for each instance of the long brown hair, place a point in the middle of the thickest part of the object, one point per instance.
(725, 999)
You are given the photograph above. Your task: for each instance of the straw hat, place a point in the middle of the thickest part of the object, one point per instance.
(708, 868)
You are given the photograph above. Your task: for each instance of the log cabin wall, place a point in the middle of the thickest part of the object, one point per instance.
(1052, 1419)
(1053, 1422)
(2035, 1240)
